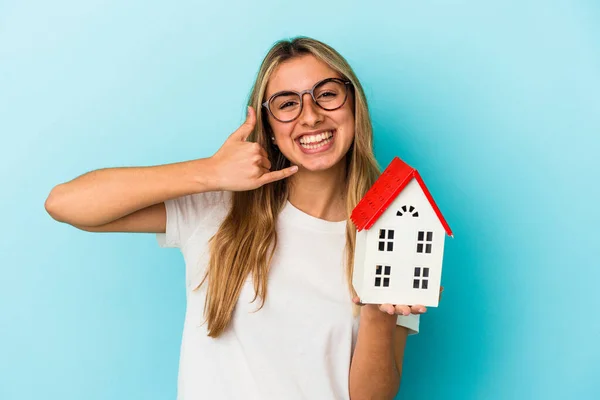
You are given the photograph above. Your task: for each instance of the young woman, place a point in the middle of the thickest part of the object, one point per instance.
(264, 228)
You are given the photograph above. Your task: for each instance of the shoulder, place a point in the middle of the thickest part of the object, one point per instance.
(187, 214)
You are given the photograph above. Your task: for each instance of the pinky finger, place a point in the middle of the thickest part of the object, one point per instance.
(356, 300)
(277, 175)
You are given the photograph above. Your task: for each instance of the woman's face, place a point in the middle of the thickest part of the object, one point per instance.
(318, 139)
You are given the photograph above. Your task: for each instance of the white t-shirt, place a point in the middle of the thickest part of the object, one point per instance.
(299, 345)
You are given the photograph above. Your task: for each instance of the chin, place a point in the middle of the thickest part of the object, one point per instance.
(322, 164)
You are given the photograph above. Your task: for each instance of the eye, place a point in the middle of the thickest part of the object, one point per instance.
(327, 94)
(287, 104)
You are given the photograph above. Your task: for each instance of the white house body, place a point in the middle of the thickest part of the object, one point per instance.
(398, 260)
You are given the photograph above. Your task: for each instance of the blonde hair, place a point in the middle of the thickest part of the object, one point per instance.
(245, 242)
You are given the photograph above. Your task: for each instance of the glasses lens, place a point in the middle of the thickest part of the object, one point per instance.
(285, 106)
(330, 94)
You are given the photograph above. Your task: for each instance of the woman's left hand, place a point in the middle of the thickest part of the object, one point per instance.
(398, 309)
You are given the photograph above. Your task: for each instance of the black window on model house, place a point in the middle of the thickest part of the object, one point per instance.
(424, 241)
(408, 211)
(421, 278)
(382, 275)
(386, 240)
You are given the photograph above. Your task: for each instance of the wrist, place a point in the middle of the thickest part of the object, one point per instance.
(201, 173)
(372, 314)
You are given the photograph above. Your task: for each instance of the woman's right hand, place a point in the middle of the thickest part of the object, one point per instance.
(240, 165)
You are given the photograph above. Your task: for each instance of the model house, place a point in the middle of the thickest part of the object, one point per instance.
(399, 240)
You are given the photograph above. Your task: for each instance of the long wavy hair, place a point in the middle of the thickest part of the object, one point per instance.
(245, 242)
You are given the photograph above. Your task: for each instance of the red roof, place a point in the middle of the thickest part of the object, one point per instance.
(383, 192)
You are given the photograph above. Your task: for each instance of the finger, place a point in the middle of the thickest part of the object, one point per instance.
(402, 309)
(356, 300)
(265, 163)
(264, 157)
(261, 162)
(264, 153)
(388, 308)
(242, 133)
(278, 175)
(263, 171)
(418, 309)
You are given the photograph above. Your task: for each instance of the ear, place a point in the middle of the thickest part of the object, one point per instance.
(269, 131)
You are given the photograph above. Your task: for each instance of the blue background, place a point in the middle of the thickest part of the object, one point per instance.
(497, 103)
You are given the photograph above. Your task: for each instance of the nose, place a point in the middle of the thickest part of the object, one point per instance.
(311, 112)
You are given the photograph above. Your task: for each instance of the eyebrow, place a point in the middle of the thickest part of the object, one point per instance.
(268, 96)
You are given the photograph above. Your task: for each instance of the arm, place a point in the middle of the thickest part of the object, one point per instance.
(131, 199)
(376, 366)
(106, 195)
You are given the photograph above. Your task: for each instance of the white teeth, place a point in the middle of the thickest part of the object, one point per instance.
(316, 146)
(316, 138)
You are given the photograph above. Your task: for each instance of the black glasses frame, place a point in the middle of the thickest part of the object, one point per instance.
(310, 91)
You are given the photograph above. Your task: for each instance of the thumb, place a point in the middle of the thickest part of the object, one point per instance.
(356, 300)
(246, 128)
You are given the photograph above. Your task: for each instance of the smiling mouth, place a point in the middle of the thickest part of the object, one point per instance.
(313, 142)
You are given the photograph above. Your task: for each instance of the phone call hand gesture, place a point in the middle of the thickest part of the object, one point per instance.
(240, 165)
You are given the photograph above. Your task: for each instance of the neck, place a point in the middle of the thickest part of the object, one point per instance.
(320, 193)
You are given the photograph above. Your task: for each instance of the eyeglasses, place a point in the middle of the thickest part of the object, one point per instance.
(329, 94)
